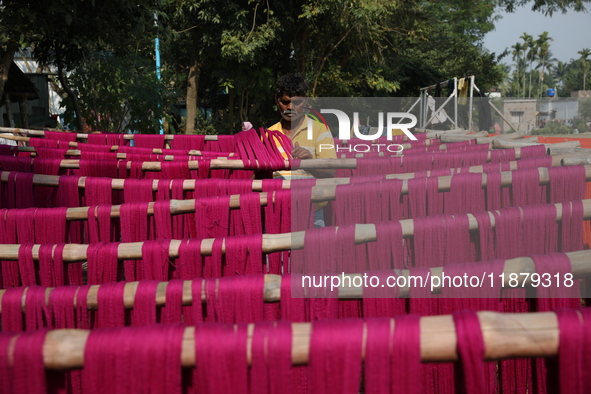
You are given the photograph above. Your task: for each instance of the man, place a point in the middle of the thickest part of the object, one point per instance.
(291, 99)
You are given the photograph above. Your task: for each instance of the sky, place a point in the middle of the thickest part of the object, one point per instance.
(571, 32)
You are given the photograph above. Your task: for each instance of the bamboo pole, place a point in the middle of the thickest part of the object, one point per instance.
(239, 164)
(459, 138)
(271, 242)
(320, 193)
(40, 133)
(437, 133)
(506, 335)
(574, 161)
(580, 263)
(506, 144)
(488, 140)
(189, 184)
(114, 149)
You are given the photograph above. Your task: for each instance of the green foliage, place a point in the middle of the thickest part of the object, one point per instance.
(553, 128)
(585, 109)
(548, 7)
(118, 94)
(237, 49)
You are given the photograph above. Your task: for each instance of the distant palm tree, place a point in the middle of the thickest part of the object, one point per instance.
(585, 52)
(530, 44)
(518, 50)
(543, 54)
(520, 71)
(559, 71)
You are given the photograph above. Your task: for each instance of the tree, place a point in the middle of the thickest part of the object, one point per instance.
(548, 7)
(64, 32)
(222, 34)
(530, 44)
(586, 52)
(544, 55)
(518, 50)
(559, 71)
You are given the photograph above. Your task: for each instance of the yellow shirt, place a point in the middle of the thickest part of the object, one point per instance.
(321, 135)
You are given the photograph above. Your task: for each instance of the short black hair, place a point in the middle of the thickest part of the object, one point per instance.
(292, 85)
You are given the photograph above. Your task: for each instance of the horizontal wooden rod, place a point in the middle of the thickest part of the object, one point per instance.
(189, 184)
(446, 138)
(573, 161)
(41, 133)
(85, 135)
(326, 192)
(114, 149)
(271, 242)
(192, 164)
(580, 263)
(118, 184)
(506, 335)
(239, 164)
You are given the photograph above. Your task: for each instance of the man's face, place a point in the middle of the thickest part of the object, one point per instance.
(291, 108)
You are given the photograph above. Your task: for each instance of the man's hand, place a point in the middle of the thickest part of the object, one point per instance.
(300, 153)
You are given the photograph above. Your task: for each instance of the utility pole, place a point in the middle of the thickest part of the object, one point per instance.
(157, 55)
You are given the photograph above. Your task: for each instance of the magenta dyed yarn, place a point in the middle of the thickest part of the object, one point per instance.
(36, 313)
(567, 183)
(152, 141)
(12, 310)
(382, 301)
(188, 142)
(51, 265)
(250, 214)
(377, 356)
(271, 370)
(162, 220)
(28, 371)
(172, 311)
(277, 221)
(586, 349)
(100, 226)
(220, 358)
(571, 231)
(528, 152)
(237, 299)
(111, 308)
(405, 365)
(26, 265)
(103, 263)
(292, 308)
(212, 217)
(189, 263)
(155, 263)
(570, 353)
(67, 194)
(335, 356)
(526, 189)
(98, 168)
(60, 136)
(67, 307)
(465, 195)
(134, 227)
(137, 190)
(136, 359)
(144, 304)
(244, 255)
(470, 346)
(35, 142)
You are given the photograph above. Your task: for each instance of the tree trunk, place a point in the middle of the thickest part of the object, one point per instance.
(8, 103)
(6, 56)
(192, 95)
(63, 81)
